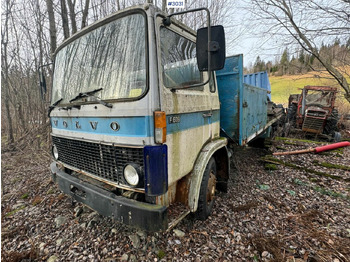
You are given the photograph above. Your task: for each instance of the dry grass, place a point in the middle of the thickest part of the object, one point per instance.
(283, 86)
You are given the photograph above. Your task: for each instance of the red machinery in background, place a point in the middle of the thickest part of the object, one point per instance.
(313, 111)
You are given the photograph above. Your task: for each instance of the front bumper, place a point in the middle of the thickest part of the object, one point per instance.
(146, 216)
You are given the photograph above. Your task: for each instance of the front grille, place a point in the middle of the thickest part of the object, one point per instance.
(312, 124)
(101, 160)
(316, 113)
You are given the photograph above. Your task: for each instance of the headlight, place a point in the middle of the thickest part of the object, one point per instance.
(55, 152)
(132, 175)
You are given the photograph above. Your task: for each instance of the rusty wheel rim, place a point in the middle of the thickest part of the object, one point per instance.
(211, 187)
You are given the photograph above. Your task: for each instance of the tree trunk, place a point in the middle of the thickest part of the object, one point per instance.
(282, 12)
(65, 22)
(72, 15)
(5, 74)
(53, 31)
(85, 12)
(310, 48)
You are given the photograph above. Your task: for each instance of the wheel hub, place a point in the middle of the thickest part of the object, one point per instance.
(211, 187)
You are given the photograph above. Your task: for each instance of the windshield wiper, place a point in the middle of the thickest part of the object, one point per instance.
(51, 107)
(91, 94)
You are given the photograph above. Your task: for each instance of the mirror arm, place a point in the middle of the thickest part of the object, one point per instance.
(167, 22)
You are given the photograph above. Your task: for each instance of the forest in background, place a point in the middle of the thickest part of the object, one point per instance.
(301, 62)
(32, 30)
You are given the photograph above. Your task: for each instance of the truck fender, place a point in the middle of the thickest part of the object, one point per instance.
(197, 174)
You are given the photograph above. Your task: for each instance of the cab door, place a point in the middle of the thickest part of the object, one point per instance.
(192, 113)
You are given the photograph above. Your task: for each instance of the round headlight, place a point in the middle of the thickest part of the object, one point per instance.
(131, 176)
(55, 152)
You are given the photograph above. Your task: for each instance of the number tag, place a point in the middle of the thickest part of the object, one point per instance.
(174, 119)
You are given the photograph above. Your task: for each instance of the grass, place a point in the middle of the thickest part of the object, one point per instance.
(283, 86)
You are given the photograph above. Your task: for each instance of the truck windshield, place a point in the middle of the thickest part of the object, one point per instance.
(111, 57)
(317, 97)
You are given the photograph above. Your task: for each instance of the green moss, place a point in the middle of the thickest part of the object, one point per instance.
(271, 166)
(312, 179)
(15, 211)
(264, 187)
(273, 160)
(321, 190)
(299, 182)
(325, 153)
(50, 191)
(298, 140)
(161, 253)
(15, 180)
(330, 165)
(331, 193)
(290, 143)
(291, 192)
(25, 196)
(281, 148)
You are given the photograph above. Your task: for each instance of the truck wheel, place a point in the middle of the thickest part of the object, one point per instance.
(337, 137)
(331, 123)
(292, 113)
(286, 129)
(207, 191)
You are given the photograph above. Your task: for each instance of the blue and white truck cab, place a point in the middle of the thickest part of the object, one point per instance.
(135, 128)
(140, 122)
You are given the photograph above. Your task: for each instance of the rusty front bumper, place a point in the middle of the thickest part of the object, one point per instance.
(146, 216)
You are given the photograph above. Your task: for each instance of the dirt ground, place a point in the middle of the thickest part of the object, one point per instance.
(285, 208)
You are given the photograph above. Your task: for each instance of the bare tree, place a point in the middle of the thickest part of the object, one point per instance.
(310, 23)
(64, 16)
(71, 6)
(86, 12)
(53, 32)
(5, 70)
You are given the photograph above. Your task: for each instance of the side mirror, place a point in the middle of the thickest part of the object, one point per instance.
(217, 48)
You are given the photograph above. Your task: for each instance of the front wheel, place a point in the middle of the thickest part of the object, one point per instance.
(207, 191)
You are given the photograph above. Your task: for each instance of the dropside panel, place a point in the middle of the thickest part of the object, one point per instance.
(230, 86)
(259, 79)
(254, 109)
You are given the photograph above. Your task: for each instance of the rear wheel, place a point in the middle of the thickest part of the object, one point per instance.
(331, 123)
(337, 137)
(207, 191)
(292, 114)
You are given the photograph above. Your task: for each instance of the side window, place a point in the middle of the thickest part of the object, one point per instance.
(178, 56)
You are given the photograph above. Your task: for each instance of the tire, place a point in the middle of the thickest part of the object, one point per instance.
(292, 114)
(207, 191)
(286, 129)
(331, 123)
(337, 137)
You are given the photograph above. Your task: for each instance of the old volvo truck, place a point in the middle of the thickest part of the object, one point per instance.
(137, 130)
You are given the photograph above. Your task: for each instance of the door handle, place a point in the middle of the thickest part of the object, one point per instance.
(207, 115)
